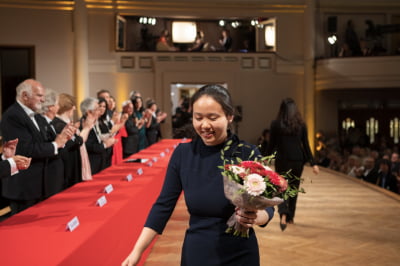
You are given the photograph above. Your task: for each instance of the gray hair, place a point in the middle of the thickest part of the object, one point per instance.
(24, 87)
(126, 103)
(88, 104)
(51, 97)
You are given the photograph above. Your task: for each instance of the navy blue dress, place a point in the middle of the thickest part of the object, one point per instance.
(193, 168)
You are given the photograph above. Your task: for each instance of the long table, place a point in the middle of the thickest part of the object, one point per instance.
(107, 230)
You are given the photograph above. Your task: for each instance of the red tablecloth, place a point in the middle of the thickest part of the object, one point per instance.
(39, 235)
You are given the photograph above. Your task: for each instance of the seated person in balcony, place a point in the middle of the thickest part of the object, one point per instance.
(198, 42)
(163, 42)
(225, 41)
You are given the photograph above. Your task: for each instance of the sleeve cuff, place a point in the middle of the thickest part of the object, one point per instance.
(13, 165)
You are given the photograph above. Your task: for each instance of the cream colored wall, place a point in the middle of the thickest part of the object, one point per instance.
(50, 32)
(258, 91)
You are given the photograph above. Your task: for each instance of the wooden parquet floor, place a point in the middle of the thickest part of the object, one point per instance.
(339, 221)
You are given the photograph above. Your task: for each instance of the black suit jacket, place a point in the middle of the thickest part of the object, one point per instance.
(70, 155)
(53, 181)
(27, 184)
(5, 168)
(96, 152)
(289, 147)
(130, 144)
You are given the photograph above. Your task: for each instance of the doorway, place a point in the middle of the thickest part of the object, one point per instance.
(16, 64)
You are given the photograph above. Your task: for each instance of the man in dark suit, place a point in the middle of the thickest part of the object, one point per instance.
(10, 163)
(26, 188)
(54, 181)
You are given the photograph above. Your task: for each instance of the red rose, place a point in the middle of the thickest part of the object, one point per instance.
(254, 167)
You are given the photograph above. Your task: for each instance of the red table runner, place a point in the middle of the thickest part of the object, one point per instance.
(105, 235)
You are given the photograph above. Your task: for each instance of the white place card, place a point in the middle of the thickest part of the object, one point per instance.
(139, 171)
(155, 159)
(162, 154)
(108, 189)
(73, 224)
(167, 150)
(129, 178)
(150, 164)
(101, 201)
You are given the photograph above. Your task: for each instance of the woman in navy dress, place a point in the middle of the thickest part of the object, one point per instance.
(193, 168)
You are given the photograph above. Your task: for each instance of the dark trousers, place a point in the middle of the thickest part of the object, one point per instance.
(288, 207)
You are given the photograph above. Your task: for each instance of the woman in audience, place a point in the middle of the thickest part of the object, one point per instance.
(105, 128)
(130, 143)
(96, 145)
(74, 155)
(143, 123)
(153, 131)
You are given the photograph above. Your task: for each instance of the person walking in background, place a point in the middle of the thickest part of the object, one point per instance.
(288, 137)
(193, 168)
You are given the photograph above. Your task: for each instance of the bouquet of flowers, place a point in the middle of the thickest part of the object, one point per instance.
(252, 185)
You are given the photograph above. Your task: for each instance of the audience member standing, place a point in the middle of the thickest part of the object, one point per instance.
(263, 141)
(95, 145)
(26, 188)
(130, 143)
(54, 180)
(143, 121)
(289, 139)
(153, 130)
(74, 151)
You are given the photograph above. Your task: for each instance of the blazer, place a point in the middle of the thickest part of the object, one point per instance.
(289, 147)
(96, 151)
(130, 144)
(70, 155)
(5, 168)
(27, 184)
(54, 172)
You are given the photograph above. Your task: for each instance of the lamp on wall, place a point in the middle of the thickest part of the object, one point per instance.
(183, 31)
(395, 129)
(266, 35)
(372, 128)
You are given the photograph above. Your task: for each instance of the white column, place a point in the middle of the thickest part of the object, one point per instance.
(309, 85)
(81, 71)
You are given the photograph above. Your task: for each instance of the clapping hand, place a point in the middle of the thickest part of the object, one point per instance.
(9, 148)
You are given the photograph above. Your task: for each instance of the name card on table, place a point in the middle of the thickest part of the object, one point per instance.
(129, 178)
(108, 189)
(155, 159)
(139, 171)
(150, 164)
(73, 224)
(162, 154)
(101, 201)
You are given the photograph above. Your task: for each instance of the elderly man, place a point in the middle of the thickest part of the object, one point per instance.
(26, 188)
(54, 182)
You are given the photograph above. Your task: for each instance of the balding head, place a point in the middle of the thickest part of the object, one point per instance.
(31, 92)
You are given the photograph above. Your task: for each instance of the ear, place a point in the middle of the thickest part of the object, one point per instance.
(230, 118)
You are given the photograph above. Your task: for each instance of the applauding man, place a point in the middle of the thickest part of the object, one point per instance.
(10, 163)
(26, 188)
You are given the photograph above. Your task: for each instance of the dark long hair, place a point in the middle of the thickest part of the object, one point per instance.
(102, 100)
(219, 94)
(289, 117)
